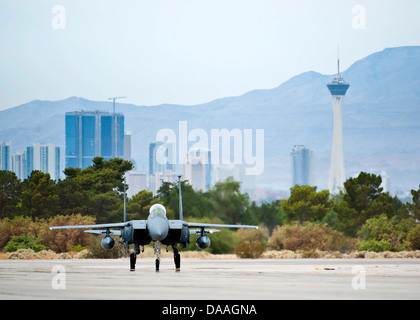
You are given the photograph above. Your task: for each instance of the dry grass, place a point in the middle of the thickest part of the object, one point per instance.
(287, 254)
(28, 254)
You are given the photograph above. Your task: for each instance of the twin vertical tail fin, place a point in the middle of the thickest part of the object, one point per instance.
(181, 216)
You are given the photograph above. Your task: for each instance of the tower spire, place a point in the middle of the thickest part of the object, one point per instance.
(338, 60)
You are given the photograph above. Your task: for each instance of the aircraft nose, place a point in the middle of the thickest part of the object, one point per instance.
(158, 228)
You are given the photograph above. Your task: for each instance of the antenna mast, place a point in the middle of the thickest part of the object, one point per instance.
(338, 60)
(125, 200)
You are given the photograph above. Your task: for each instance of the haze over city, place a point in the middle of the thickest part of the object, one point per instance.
(243, 64)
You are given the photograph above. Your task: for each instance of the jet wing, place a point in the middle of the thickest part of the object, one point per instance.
(93, 226)
(211, 225)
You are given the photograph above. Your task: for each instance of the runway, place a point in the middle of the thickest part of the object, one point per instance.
(211, 279)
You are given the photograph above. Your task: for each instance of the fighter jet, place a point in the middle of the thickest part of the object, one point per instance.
(158, 229)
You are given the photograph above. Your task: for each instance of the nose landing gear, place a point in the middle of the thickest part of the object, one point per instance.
(157, 252)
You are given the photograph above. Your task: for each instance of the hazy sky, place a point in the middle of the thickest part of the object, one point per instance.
(185, 51)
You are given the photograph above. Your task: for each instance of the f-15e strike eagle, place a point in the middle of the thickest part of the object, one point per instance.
(156, 228)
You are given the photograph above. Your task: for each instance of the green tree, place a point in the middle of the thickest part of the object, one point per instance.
(39, 197)
(138, 206)
(106, 207)
(10, 192)
(413, 209)
(230, 205)
(270, 214)
(305, 204)
(98, 189)
(102, 176)
(195, 204)
(360, 192)
(224, 201)
(73, 199)
(362, 199)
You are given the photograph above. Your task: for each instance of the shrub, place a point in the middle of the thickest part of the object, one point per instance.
(309, 237)
(56, 240)
(250, 249)
(77, 248)
(23, 242)
(376, 246)
(413, 238)
(260, 235)
(17, 226)
(393, 231)
(61, 240)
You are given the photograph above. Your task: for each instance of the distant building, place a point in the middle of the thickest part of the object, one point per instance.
(127, 146)
(93, 133)
(20, 166)
(302, 162)
(161, 157)
(42, 157)
(136, 181)
(198, 169)
(6, 156)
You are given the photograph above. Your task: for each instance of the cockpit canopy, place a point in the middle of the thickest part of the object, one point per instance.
(157, 210)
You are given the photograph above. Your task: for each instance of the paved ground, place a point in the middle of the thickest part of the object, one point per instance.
(211, 279)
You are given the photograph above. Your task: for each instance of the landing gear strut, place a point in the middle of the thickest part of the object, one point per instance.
(177, 259)
(157, 252)
(133, 258)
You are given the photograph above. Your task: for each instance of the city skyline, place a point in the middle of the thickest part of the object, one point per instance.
(308, 107)
(43, 157)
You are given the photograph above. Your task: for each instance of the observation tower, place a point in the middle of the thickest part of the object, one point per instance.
(338, 88)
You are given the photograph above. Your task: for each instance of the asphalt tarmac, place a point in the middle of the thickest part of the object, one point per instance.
(204, 279)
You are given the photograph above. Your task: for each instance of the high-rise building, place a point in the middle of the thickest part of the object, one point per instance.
(302, 161)
(338, 88)
(20, 166)
(198, 169)
(93, 133)
(127, 146)
(161, 157)
(42, 157)
(136, 181)
(6, 156)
